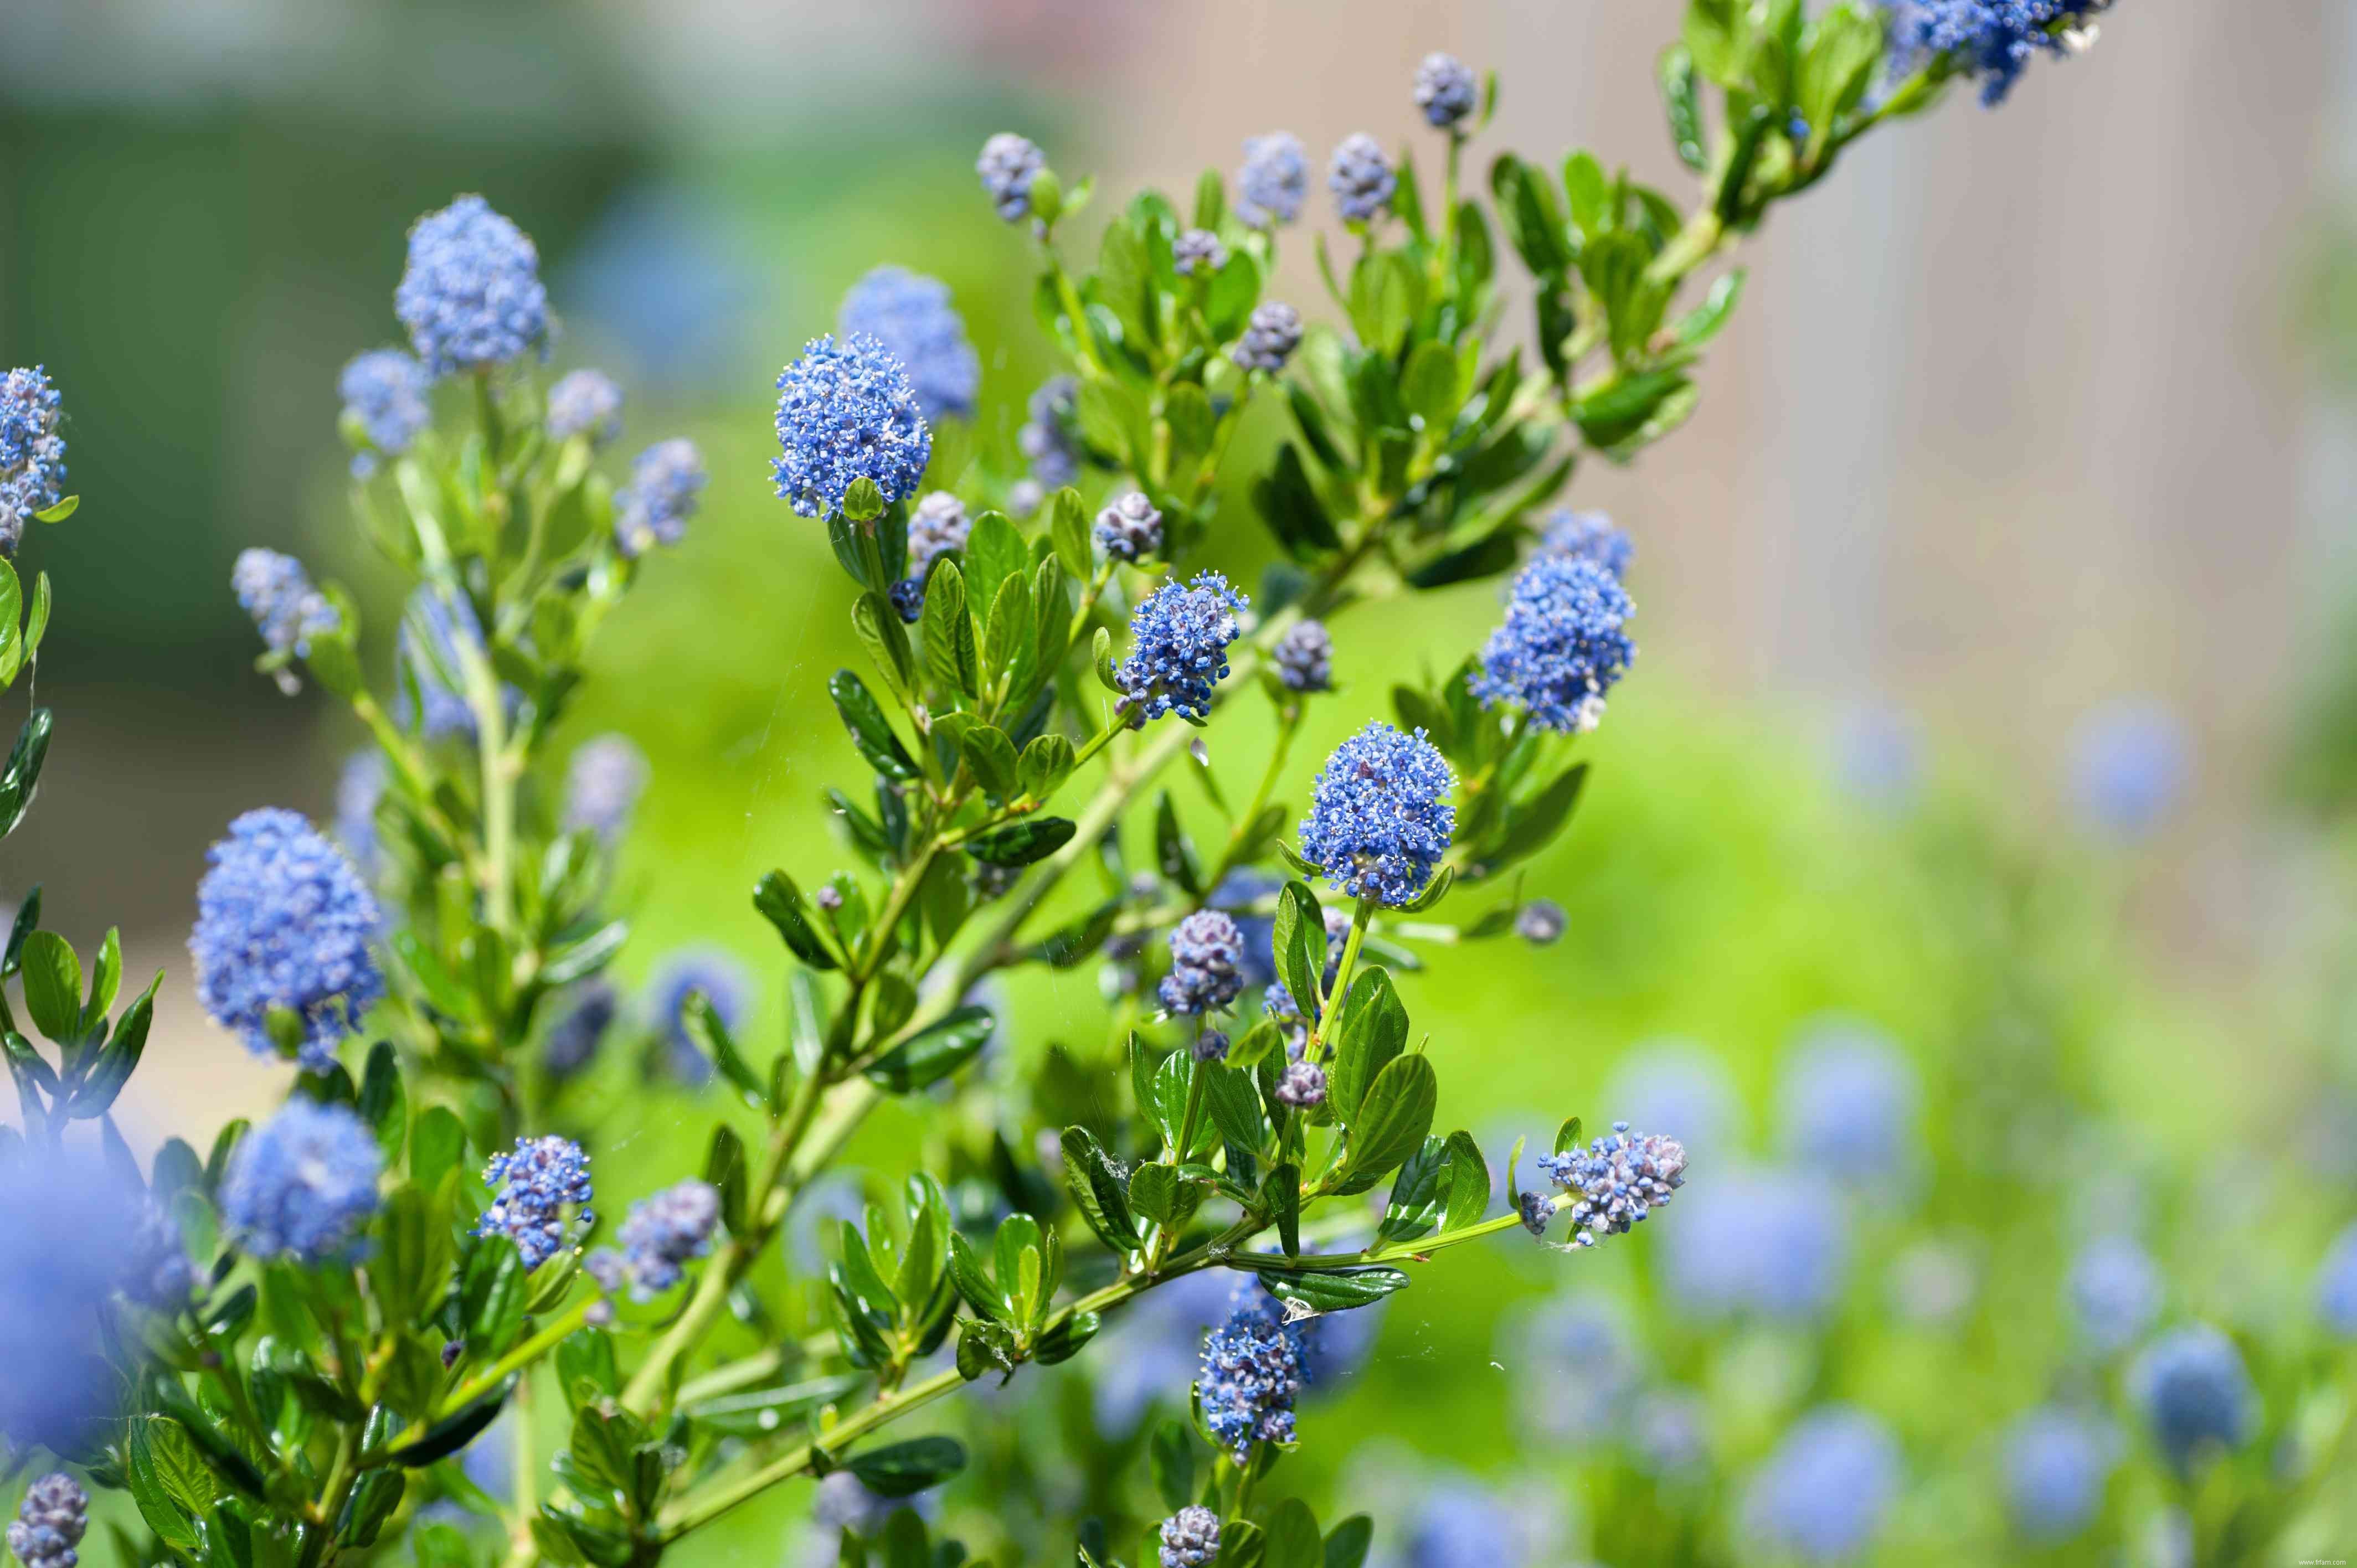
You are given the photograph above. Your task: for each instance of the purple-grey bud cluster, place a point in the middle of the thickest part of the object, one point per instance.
(665, 483)
(1823, 1494)
(937, 525)
(434, 629)
(1179, 647)
(1197, 251)
(1129, 529)
(1587, 535)
(384, 394)
(1270, 336)
(471, 295)
(725, 984)
(1619, 1180)
(1541, 922)
(1007, 166)
(1993, 39)
(1210, 1045)
(662, 1234)
(32, 453)
(277, 592)
(1253, 1366)
(602, 785)
(1206, 953)
(2196, 1394)
(303, 1184)
(1379, 815)
(1360, 177)
(1046, 438)
(1274, 181)
(1278, 1002)
(846, 412)
(283, 921)
(1302, 1086)
(1445, 90)
(1561, 647)
(1190, 1538)
(531, 1186)
(574, 1039)
(585, 403)
(54, 1515)
(910, 314)
(1304, 657)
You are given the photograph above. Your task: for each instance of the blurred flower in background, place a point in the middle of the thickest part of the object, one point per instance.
(1847, 1106)
(1766, 1242)
(2129, 764)
(1823, 1494)
(658, 275)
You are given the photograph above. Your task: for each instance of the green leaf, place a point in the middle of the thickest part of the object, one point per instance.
(1612, 416)
(1194, 430)
(1393, 1121)
(1172, 852)
(59, 512)
(1702, 322)
(1468, 1183)
(1288, 503)
(879, 630)
(1281, 1197)
(1844, 47)
(155, 1503)
(1347, 1543)
(491, 1294)
(863, 500)
(1418, 1194)
(1374, 1032)
(371, 1502)
(1171, 1457)
(23, 772)
(1299, 941)
(112, 1068)
(1242, 1545)
(1681, 104)
(1429, 388)
(781, 903)
(1068, 526)
(1154, 1192)
(991, 755)
(52, 982)
(993, 552)
(1124, 283)
(952, 661)
(869, 731)
(383, 1102)
(974, 1282)
(437, 1143)
(1234, 1105)
(1333, 1289)
(904, 1470)
(1102, 1201)
(1066, 1340)
(12, 610)
(710, 1033)
(1020, 843)
(450, 1434)
(1044, 766)
(1009, 648)
(927, 1058)
(1292, 1531)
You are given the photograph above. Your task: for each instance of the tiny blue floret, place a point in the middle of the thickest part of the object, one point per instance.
(533, 1186)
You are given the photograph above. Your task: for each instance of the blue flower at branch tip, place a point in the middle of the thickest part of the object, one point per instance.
(725, 984)
(32, 453)
(1587, 536)
(2129, 762)
(531, 1186)
(1274, 181)
(1561, 646)
(1541, 922)
(360, 786)
(1847, 1106)
(56, 1276)
(1993, 39)
(602, 785)
(910, 314)
(1379, 818)
(2336, 1285)
(1197, 251)
(1445, 90)
(1302, 1086)
(1007, 166)
(434, 630)
(50, 1523)
(1271, 334)
(384, 394)
(1252, 1370)
(666, 482)
(471, 297)
(1129, 529)
(276, 592)
(303, 1184)
(284, 922)
(585, 403)
(1179, 635)
(1207, 951)
(2195, 1393)
(2114, 1294)
(1190, 1538)
(1618, 1179)
(1304, 657)
(846, 412)
(1360, 177)
(1823, 1493)
(1046, 439)
(1769, 1243)
(2056, 1464)
(574, 1039)
(665, 1232)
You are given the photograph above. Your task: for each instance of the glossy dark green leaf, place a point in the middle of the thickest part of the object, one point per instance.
(1702, 322)
(52, 982)
(952, 661)
(869, 731)
(370, 1503)
(384, 1103)
(1333, 1289)
(1067, 1338)
(114, 1064)
(1468, 1192)
(584, 956)
(725, 1171)
(1281, 1198)
(709, 1032)
(1372, 1032)
(927, 1058)
(23, 772)
(1681, 104)
(1288, 503)
(1045, 764)
(1347, 1543)
(1103, 1200)
(1394, 1118)
(781, 903)
(1021, 842)
(491, 1294)
(904, 1470)
(1154, 1192)
(993, 552)
(1299, 938)
(1234, 1105)
(1173, 854)
(1010, 641)
(877, 625)
(1293, 1540)
(990, 756)
(1242, 1545)
(1417, 1193)
(1170, 1455)
(1531, 824)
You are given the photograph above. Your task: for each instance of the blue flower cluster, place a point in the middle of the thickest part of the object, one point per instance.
(277, 592)
(2056, 1463)
(471, 297)
(1129, 529)
(1993, 39)
(531, 1186)
(57, 1207)
(1271, 334)
(725, 984)
(662, 1234)
(1379, 815)
(1253, 1367)
(1586, 535)
(1304, 657)
(2114, 1294)
(303, 1184)
(1445, 90)
(50, 1522)
(1047, 439)
(654, 508)
(1179, 647)
(1619, 1180)
(1561, 647)
(1849, 1106)
(384, 394)
(2196, 1394)
(1361, 179)
(1190, 1538)
(32, 453)
(1205, 952)
(1823, 1493)
(602, 785)
(911, 316)
(1274, 181)
(585, 403)
(283, 921)
(846, 412)
(1007, 166)
(937, 525)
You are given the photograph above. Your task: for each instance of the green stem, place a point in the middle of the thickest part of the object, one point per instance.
(557, 1331)
(1331, 1002)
